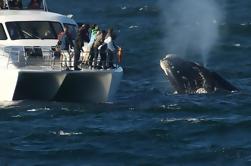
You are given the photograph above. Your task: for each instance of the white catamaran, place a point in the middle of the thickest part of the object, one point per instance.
(29, 69)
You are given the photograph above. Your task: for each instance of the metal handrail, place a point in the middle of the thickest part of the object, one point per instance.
(20, 58)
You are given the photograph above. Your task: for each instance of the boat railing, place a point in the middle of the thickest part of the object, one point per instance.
(28, 56)
(52, 59)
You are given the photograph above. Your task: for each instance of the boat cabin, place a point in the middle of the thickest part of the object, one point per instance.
(27, 23)
(30, 32)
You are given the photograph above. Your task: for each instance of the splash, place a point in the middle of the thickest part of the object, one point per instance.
(192, 26)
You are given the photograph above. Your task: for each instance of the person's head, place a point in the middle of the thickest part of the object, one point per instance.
(93, 26)
(110, 33)
(85, 27)
(95, 30)
(110, 30)
(66, 28)
(104, 34)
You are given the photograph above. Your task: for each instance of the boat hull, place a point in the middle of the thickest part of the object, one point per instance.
(73, 86)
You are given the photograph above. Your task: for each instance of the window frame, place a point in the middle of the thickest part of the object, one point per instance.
(3, 31)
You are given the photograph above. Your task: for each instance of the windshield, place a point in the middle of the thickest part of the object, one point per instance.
(34, 30)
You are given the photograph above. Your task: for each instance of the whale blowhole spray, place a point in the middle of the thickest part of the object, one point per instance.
(191, 26)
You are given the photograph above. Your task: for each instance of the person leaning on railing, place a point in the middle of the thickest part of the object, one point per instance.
(111, 48)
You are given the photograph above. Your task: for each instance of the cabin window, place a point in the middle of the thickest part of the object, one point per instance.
(2, 33)
(34, 30)
(72, 30)
(57, 27)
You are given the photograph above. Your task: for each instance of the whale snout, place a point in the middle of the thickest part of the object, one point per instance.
(166, 63)
(165, 66)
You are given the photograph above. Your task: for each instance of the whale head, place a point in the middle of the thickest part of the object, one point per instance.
(190, 77)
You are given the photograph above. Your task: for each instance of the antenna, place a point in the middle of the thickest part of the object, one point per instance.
(45, 5)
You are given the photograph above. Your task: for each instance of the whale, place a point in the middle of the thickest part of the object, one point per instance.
(188, 77)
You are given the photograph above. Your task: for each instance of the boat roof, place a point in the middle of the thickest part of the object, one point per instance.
(33, 15)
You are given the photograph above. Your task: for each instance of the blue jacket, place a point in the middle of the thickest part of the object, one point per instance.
(65, 41)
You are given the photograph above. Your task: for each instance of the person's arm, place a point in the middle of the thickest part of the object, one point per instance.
(116, 46)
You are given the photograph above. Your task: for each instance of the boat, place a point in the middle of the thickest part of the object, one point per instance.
(29, 69)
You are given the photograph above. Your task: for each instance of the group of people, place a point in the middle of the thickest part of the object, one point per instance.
(96, 46)
(18, 4)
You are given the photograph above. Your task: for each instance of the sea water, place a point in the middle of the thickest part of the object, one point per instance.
(145, 124)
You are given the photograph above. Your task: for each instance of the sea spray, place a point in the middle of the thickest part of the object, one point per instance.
(191, 26)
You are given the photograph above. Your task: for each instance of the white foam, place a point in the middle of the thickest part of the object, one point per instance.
(17, 116)
(237, 45)
(63, 133)
(39, 109)
(141, 9)
(124, 8)
(133, 26)
(171, 120)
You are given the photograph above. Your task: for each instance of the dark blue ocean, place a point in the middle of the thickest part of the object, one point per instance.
(146, 124)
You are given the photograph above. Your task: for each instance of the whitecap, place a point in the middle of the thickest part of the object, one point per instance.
(191, 120)
(32, 110)
(39, 109)
(169, 107)
(65, 109)
(17, 116)
(141, 9)
(237, 45)
(124, 8)
(133, 26)
(132, 109)
(63, 133)
(194, 120)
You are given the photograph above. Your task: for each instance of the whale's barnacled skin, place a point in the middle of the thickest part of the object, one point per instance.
(190, 77)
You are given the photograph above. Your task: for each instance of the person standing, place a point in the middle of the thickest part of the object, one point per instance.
(82, 37)
(65, 43)
(96, 50)
(2, 4)
(111, 48)
(16, 4)
(35, 4)
(94, 30)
